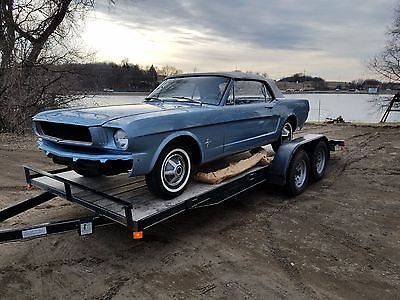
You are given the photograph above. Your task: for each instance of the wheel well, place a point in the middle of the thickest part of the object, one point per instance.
(192, 146)
(293, 121)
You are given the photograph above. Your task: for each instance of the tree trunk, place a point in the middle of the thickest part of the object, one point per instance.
(7, 42)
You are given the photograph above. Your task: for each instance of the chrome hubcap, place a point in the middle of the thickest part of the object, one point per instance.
(300, 174)
(174, 169)
(320, 165)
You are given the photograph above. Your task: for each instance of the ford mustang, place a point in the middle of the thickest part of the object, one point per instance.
(186, 121)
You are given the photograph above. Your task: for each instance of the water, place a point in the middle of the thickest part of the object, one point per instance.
(363, 108)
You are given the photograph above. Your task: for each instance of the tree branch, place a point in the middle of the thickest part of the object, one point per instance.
(56, 20)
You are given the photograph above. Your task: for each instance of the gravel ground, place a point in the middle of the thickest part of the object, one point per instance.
(338, 240)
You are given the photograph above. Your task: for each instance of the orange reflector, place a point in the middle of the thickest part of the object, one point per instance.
(137, 235)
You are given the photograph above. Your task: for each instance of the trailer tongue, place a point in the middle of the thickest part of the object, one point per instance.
(128, 202)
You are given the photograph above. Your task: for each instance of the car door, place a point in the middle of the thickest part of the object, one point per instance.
(249, 110)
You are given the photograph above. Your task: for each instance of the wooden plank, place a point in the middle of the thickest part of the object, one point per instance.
(115, 190)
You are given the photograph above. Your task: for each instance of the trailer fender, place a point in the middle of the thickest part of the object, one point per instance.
(277, 171)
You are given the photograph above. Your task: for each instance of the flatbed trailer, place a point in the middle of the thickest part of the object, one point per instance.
(127, 201)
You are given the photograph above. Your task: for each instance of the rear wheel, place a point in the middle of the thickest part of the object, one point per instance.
(171, 173)
(285, 136)
(298, 173)
(319, 159)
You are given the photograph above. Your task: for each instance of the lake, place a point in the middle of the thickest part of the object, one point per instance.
(363, 108)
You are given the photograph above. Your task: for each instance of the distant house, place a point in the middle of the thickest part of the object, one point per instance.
(371, 85)
(372, 90)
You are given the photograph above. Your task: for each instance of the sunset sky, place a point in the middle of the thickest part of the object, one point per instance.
(331, 39)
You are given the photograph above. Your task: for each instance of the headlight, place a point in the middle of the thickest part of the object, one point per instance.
(121, 139)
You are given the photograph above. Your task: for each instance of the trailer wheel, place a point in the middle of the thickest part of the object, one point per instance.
(319, 158)
(285, 136)
(171, 173)
(298, 173)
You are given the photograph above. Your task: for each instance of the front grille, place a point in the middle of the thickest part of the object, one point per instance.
(66, 131)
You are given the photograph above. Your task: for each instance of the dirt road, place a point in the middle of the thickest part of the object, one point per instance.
(338, 240)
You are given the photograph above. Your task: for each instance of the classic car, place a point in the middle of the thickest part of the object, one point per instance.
(186, 121)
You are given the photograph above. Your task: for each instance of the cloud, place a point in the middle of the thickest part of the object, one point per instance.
(243, 21)
(331, 31)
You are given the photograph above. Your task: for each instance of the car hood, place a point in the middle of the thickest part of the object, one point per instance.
(97, 116)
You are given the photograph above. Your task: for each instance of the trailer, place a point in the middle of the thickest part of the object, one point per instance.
(127, 201)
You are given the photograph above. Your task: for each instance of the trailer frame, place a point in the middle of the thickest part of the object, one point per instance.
(108, 206)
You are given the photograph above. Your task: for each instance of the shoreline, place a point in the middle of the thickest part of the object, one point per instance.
(356, 124)
(388, 93)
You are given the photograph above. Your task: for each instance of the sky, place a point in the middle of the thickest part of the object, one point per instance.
(331, 39)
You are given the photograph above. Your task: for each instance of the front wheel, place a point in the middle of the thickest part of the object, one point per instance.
(298, 173)
(171, 173)
(285, 136)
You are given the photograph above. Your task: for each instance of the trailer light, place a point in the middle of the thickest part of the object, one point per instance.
(121, 139)
(137, 235)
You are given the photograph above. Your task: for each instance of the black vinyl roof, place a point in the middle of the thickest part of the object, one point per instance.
(234, 75)
(237, 75)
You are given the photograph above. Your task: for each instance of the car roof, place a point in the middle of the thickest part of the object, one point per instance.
(237, 75)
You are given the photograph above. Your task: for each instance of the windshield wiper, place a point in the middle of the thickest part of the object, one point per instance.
(148, 99)
(188, 99)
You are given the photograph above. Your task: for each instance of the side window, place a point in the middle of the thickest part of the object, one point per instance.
(248, 92)
(267, 94)
(230, 100)
(196, 94)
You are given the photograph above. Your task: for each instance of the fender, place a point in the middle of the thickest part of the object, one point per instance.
(282, 121)
(168, 139)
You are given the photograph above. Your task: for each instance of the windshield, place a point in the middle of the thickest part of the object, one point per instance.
(200, 89)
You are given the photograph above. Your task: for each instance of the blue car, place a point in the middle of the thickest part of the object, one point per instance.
(186, 121)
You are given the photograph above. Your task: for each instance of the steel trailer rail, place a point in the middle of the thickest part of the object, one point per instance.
(124, 200)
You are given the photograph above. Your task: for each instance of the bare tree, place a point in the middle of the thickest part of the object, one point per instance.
(387, 63)
(168, 70)
(35, 40)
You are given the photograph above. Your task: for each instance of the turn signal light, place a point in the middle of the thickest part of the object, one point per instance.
(137, 235)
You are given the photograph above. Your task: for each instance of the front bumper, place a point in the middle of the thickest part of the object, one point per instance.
(82, 153)
(139, 163)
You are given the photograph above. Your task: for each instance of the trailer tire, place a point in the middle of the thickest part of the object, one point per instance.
(171, 173)
(319, 159)
(298, 173)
